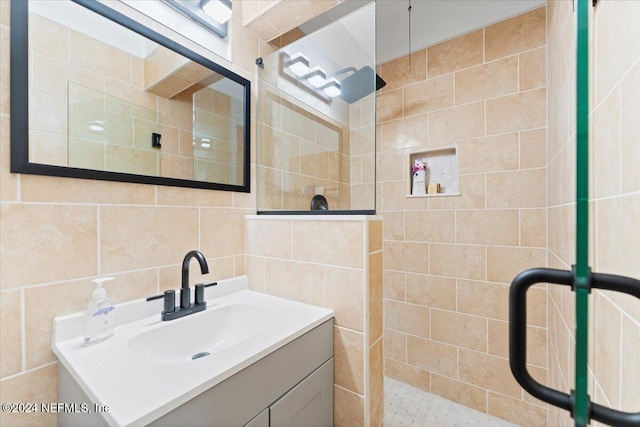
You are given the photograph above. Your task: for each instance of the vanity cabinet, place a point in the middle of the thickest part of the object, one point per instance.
(292, 386)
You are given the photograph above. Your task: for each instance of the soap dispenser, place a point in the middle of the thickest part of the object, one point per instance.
(100, 315)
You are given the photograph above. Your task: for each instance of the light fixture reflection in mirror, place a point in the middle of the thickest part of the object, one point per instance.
(100, 102)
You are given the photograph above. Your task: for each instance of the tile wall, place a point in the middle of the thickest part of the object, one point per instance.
(58, 233)
(449, 260)
(335, 263)
(614, 374)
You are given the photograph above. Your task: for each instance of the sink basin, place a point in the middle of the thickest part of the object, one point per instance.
(156, 358)
(207, 333)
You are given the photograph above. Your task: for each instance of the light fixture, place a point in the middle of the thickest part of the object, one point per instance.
(316, 77)
(332, 88)
(205, 143)
(210, 14)
(299, 64)
(220, 10)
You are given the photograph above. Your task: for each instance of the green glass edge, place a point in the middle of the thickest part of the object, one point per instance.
(581, 402)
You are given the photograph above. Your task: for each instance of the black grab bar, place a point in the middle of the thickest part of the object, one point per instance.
(518, 338)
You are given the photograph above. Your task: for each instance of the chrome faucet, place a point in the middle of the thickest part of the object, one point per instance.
(172, 312)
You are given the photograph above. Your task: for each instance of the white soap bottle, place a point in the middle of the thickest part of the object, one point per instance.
(100, 315)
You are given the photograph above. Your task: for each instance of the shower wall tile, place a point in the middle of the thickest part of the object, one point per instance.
(432, 356)
(457, 123)
(349, 408)
(428, 95)
(526, 110)
(348, 350)
(458, 391)
(409, 374)
(491, 227)
(533, 70)
(492, 153)
(516, 411)
(408, 318)
(462, 52)
(395, 345)
(432, 291)
(10, 333)
(343, 292)
(391, 105)
(533, 148)
(397, 73)
(446, 260)
(518, 34)
(487, 81)
(460, 330)
(376, 384)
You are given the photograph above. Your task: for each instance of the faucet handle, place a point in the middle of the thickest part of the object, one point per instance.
(169, 300)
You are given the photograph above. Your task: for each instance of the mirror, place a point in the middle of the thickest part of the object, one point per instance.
(97, 95)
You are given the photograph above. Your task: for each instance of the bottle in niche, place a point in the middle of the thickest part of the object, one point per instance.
(419, 172)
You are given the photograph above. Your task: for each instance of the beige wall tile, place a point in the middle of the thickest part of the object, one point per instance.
(606, 147)
(432, 356)
(38, 386)
(503, 263)
(462, 261)
(456, 54)
(389, 166)
(533, 227)
(389, 105)
(174, 229)
(487, 81)
(376, 384)
(606, 348)
(408, 374)
(4, 72)
(65, 247)
(489, 227)
(394, 285)
(489, 372)
(393, 225)
(520, 33)
(348, 410)
(618, 236)
(344, 292)
(178, 196)
(630, 127)
(483, 299)
(526, 110)
(10, 333)
(406, 256)
(295, 280)
(375, 235)
(48, 37)
(375, 285)
(397, 73)
(616, 26)
(516, 411)
(8, 181)
(394, 198)
(395, 345)
(428, 95)
(347, 242)
(457, 123)
(629, 365)
(472, 194)
(456, 391)
(431, 291)
(348, 350)
(268, 238)
(536, 342)
(101, 58)
(404, 133)
(459, 329)
(430, 226)
(219, 241)
(533, 69)
(408, 318)
(516, 189)
(492, 153)
(533, 151)
(254, 269)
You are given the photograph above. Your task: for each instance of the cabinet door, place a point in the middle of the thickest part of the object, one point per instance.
(308, 404)
(261, 420)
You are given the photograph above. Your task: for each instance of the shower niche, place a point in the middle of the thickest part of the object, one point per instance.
(441, 171)
(316, 117)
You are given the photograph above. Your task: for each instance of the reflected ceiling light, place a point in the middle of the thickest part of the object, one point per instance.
(220, 10)
(299, 65)
(332, 88)
(96, 125)
(316, 77)
(205, 143)
(210, 14)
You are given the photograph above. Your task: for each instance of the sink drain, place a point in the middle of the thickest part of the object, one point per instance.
(199, 355)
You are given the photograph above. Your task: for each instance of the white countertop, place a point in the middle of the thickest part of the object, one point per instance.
(139, 390)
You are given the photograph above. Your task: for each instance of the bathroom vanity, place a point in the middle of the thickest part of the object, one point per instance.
(269, 363)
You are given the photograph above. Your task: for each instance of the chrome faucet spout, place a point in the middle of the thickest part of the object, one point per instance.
(204, 268)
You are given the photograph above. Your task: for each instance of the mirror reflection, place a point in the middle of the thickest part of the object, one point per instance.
(105, 98)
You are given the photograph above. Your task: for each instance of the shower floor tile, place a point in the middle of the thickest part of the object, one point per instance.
(409, 406)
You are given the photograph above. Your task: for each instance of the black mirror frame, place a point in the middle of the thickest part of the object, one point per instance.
(19, 104)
